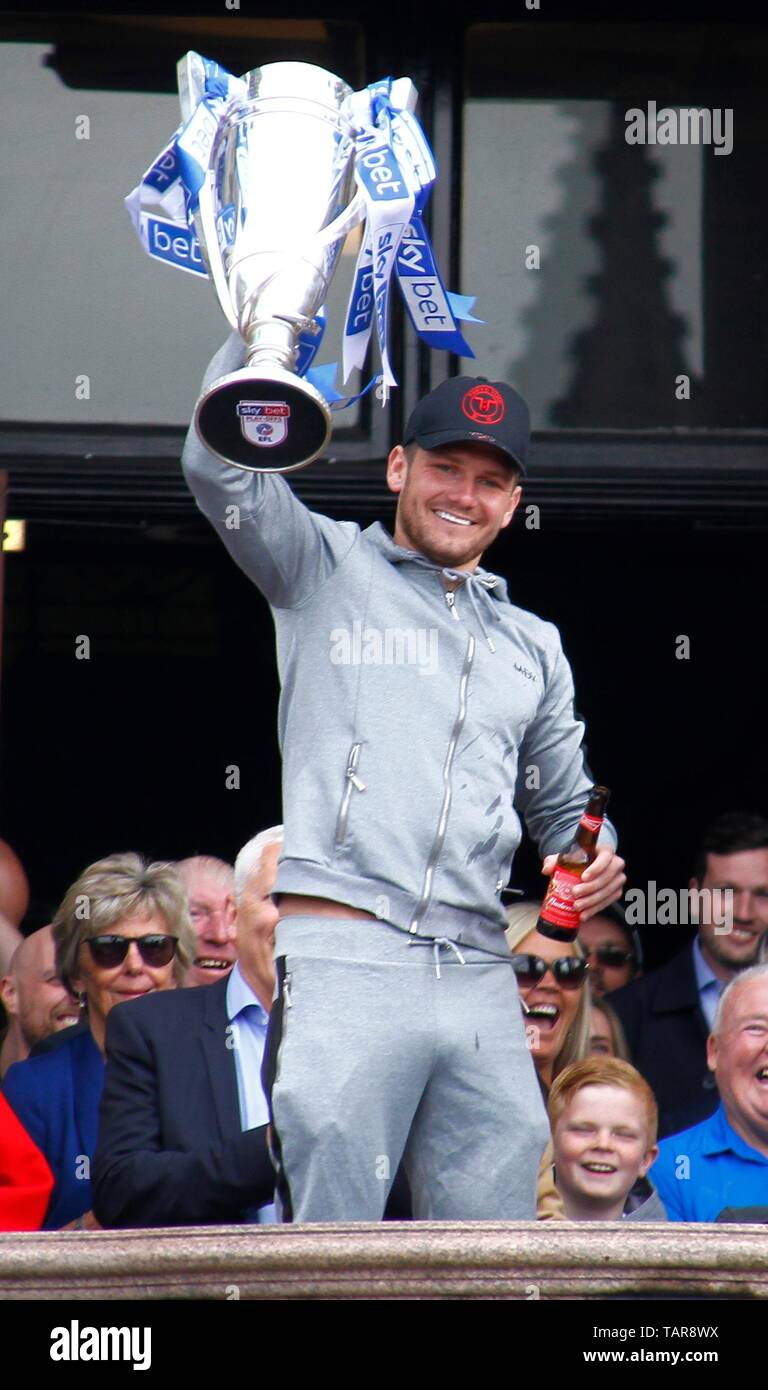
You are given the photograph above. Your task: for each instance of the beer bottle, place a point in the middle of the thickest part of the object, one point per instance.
(559, 916)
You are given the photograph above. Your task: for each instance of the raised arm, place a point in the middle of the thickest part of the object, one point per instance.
(287, 550)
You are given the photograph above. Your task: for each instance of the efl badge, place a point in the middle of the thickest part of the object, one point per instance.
(264, 422)
(483, 404)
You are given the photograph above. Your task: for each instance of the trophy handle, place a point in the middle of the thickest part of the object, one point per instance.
(353, 213)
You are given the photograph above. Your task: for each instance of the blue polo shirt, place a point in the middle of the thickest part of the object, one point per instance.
(707, 1167)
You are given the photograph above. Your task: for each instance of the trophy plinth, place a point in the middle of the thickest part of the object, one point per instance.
(266, 420)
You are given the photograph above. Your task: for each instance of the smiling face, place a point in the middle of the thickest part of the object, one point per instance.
(738, 1055)
(34, 995)
(452, 501)
(551, 1009)
(212, 909)
(601, 1148)
(106, 987)
(746, 874)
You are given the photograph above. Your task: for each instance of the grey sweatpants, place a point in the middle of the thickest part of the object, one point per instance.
(382, 1046)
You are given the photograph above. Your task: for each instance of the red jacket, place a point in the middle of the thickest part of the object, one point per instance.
(26, 1181)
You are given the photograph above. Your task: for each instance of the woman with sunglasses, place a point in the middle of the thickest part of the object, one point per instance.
(551, 981)
(551, 976)
(123, 930)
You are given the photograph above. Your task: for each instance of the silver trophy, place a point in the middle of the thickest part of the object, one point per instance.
(273, 213)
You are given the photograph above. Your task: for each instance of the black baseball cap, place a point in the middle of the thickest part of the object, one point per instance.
(465, 408)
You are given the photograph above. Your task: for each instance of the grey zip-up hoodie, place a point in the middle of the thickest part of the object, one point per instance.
(413, 721)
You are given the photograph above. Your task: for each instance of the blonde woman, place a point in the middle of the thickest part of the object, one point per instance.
(551, 979)
(122, 930)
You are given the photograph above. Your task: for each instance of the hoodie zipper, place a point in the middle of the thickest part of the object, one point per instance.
(352, 781)
(442, 824)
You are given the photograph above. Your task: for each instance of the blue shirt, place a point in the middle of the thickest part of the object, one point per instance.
(707, 1167)
(248, 1020)
(707, 983)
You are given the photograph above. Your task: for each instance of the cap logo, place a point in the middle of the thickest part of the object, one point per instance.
(483, 404)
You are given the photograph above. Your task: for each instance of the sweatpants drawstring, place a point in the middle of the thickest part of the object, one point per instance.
(436, 942)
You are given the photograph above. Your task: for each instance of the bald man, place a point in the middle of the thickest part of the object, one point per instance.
(722, 1162)
(210, 885)
(35, 1000)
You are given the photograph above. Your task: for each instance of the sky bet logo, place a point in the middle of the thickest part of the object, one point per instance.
(176, 245)
(76, 1343)
(381, 175)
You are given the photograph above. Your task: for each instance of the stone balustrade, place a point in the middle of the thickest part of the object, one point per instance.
(419, 1260)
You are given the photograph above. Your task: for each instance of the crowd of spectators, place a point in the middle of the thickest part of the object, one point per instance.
(135, 1026)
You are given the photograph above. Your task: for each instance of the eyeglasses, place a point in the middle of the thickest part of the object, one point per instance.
(111, 951)
(609, 955)
(569, 971)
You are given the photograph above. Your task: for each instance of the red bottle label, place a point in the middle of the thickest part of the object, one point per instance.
(558, 906)
(591, 822)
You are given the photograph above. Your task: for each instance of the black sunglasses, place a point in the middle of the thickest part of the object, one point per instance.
(569, 971)
(110, 951)
(609, 955)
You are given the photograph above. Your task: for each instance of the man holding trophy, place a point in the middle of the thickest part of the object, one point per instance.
(420, 710)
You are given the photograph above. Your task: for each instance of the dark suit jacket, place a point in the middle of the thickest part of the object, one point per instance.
(667, 1033)
(171, 1150)
(56, 1097)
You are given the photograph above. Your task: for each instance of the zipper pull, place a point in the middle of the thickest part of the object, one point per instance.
(450, 599)
(352, 775)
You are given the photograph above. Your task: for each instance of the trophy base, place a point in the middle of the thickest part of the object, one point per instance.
(266, 422)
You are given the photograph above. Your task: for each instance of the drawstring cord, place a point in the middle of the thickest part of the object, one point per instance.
(474, 583)
(436, 942)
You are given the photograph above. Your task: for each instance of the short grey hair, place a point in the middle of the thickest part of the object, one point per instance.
(754, 972)
(248, 860)
(205, 864)
(120, 886)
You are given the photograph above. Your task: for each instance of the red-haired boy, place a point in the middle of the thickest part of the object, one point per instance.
(604, 1121)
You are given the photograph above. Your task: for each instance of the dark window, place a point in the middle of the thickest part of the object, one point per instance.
(651, 256)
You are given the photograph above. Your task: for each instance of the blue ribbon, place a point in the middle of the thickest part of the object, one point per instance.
(428, 303)
(309, 344)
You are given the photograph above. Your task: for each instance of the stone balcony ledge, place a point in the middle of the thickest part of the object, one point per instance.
(414, 1260)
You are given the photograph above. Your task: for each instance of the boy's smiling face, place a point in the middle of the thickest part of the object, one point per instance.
(601, 1148)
